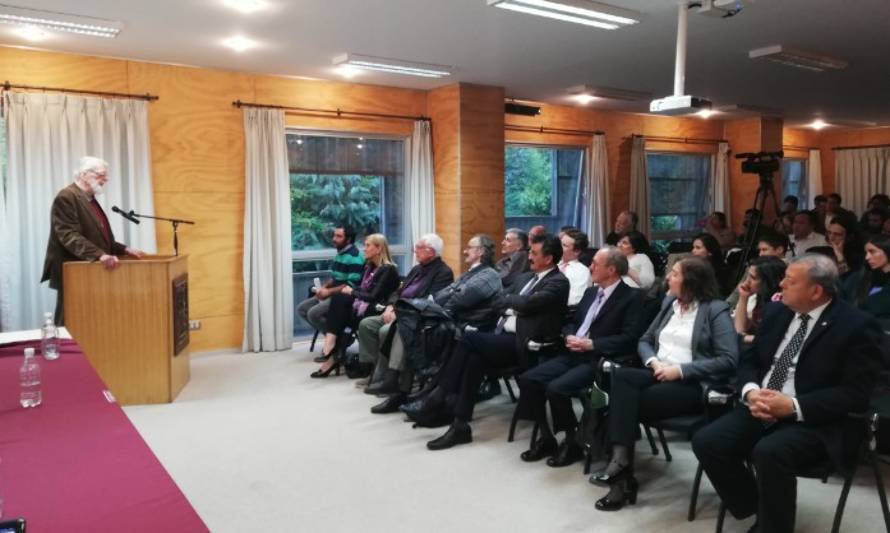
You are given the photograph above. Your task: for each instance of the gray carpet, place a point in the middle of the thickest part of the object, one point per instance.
(256, 445)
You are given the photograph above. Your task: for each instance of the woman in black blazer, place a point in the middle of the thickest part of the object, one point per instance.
(349, 306)
(691, 344)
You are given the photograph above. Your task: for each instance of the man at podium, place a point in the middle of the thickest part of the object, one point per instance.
(79, 228)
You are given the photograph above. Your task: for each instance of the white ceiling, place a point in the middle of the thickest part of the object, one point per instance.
(532, 57)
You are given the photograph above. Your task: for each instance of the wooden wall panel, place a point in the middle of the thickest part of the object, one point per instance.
(444, 109)
(743, 136)
(51, 69)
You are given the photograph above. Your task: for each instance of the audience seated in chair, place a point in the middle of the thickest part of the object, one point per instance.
(770, 244)
(531, 310)
(348, 306)
(803, 234)
(429, 276)
(813, 361)
(691, 344)
(640, 271)
(346, 269)
(573, 243)
(755, 292)
(845, 239)
(625, 222)
(869, 288)
(605, 324)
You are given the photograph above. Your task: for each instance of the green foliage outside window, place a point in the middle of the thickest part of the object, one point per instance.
(320, 202)
(528, 181)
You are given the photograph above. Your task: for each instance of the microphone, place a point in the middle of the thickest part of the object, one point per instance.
(129, 216)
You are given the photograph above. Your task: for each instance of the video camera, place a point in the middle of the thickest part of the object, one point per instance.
(762, 163)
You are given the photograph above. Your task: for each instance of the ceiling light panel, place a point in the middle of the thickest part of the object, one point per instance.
(66, 22)
(797, 58)
(239, 43)
(31, 33)
(245, 6)
(584, 12)
(393, 66)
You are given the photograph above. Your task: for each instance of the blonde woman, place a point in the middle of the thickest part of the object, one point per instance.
(379, 279)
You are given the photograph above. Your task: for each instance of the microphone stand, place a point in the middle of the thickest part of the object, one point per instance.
(175, 221)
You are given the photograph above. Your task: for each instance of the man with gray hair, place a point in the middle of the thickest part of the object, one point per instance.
(428, 277)
(514, 261)
(79, 228)
(813, 361)
(606, 323)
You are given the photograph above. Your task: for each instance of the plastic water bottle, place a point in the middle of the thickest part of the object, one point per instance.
(29, 377)
(50, 338)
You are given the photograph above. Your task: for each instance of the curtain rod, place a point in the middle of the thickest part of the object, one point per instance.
(861, 147)
(338, 112)
(148, 97)
(681, 140)
(559, 131)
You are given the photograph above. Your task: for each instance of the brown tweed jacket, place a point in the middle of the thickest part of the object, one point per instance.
(74, 235)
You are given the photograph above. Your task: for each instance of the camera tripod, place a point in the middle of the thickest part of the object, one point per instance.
(764, 191)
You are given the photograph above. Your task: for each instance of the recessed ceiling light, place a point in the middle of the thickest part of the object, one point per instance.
(586, 12)
(239, 43)
(584, 98)
(706, 113)
(31, 33)
(394, 66)
(347, 71)
(245, 6)
(52, 20)
(818, 124)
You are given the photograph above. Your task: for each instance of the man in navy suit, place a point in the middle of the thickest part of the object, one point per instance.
(605, 323)
(813, 361)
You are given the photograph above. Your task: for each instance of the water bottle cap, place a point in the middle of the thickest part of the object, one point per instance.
(29, 352)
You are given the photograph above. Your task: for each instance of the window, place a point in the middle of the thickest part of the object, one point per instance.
(541, 186)
(794, 180)
(336, 179)
(678, 194)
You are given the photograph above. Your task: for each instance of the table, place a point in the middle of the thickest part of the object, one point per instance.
(76, 463)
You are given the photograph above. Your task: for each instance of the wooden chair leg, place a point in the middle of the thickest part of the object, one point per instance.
(693, 500)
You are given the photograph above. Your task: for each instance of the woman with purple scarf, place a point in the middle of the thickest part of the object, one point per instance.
(379, 279)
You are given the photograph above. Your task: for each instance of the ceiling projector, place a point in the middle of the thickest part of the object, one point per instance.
(679, 105)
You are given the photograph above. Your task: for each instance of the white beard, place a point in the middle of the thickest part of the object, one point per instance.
(98, 190)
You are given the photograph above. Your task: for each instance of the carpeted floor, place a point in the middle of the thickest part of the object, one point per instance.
(258, 446)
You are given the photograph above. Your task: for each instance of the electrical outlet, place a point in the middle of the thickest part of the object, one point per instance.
(194, 324)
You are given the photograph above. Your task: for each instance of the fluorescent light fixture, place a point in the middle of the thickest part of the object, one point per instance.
(797, 58)
(52, 20)
(750, 109)
(245, 6)
(610, 93)
(706, 113)
(239, 43)
(31, 33)
(586, 12)
(818, 124)
(394, 66)
(584, 98)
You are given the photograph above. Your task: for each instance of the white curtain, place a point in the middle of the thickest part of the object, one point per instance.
(48, 133)
(595, 192)
(5, 260)
(814, 177)
(268, 286)
(639, 184)
(421, 204)
(860, 173)
(720, 193)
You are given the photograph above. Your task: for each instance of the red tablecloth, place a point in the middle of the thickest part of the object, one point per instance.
(76, 463)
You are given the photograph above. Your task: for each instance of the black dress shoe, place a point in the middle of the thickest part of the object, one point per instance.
(605, 478)
(458, 433)
(626, 494)
(388, 385)
(540, 449)
(426, 404)
(566, 454)
(389, 405)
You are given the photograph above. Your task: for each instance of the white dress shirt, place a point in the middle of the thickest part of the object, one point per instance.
(675, 339)
(579, 279)
(643, 266)
(788, 388)
(800, 246)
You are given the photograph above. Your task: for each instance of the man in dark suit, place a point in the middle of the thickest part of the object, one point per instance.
(813, 361)
(79, 228)
(514, 262)
(533, 310)
(605, 323)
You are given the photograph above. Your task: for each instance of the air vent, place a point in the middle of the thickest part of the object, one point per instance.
(512, 108)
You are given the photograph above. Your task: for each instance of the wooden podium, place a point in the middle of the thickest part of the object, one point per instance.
(132, 324)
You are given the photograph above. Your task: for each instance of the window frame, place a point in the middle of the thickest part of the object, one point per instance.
(554, 181)
(329, 253)
(805, 180)
(678, 235)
